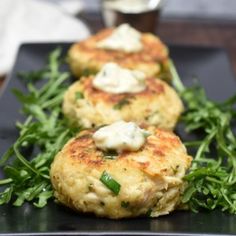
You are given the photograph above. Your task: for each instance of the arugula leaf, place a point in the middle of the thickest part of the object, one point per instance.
(211, 181)
(44, 130)
(5, 196)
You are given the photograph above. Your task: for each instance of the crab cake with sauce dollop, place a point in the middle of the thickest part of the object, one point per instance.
(121, 171)
(123, 45)
(116, 93)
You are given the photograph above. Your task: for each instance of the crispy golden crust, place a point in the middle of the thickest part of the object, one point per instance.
(150, 178)
(82, 150)
(154, 86)
(85, 55)
(157, 105)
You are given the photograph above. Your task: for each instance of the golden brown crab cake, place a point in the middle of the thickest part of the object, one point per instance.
(85, 58)
(157, 105)
(150, 179)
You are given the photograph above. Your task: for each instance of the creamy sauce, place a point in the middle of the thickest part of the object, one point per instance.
(124, 38)
(114, 79)
(120, 136)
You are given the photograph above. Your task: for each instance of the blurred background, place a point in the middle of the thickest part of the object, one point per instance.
(191, 22)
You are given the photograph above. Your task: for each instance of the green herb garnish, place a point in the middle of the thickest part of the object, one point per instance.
(110, 154)
(123, 102)
(79, 95)
(88, 72)
(149, 212)
(110, 183)
(124, 204)
(212, 177)
(165, 73)
(44, 130)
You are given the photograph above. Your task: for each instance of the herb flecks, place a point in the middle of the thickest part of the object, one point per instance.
(110, 154)
(88, 72)
(123, 102)
(79, 95)
(124, 204)
(149, 212)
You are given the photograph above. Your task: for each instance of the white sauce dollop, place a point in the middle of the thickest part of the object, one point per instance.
(114, 79)
(124, 38)
(120, 136)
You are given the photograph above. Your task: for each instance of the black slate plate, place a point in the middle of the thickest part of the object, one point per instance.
(210, 65)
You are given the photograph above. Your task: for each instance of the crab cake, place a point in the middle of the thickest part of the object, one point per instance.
(144, 100)
(89, 56)
(124, 184)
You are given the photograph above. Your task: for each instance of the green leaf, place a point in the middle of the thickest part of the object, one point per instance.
(41, 136)
(5, 181)
(43, 198)
(212, 178)
(5, 196)
(6, 156)
(188, 193)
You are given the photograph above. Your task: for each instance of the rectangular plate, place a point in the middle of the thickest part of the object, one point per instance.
(212, 68)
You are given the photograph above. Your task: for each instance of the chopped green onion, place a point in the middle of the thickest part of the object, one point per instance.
(110, 183)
